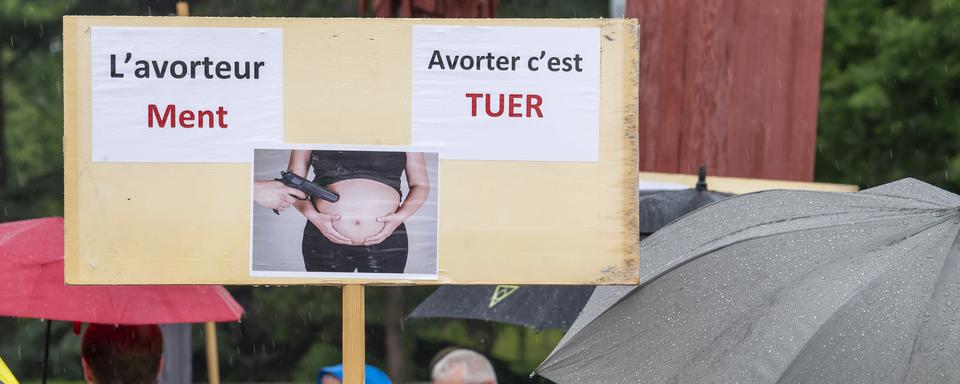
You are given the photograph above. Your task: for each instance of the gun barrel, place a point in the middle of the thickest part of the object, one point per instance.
(321, 192)
(306, 186)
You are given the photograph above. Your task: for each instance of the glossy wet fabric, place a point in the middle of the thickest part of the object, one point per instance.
(784, 287)
(32, 285)
(659, 208)
(553, 306)
(534, 306)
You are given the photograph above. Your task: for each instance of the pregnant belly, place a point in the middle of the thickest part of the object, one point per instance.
(361, 202)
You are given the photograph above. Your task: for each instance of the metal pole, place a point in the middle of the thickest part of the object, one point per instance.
(46, 353)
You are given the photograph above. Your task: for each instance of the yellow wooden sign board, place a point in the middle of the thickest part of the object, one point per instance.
(345, 82)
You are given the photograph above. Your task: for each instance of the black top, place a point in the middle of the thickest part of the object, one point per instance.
(332, 166)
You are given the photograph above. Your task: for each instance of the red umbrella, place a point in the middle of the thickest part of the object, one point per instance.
(32, 285)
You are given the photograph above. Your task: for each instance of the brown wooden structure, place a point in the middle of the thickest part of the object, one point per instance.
(730, 84)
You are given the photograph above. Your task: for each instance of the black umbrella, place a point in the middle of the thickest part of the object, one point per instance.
(784, 287)
(659, 208)
(554, 306)
(534, 306)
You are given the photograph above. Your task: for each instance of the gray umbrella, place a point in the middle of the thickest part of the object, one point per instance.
(784, 287)
(553, 306)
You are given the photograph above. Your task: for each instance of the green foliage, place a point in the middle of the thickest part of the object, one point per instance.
(22, 342)
(281, 328)
(319, 355)
(889, 89)
(289, 333)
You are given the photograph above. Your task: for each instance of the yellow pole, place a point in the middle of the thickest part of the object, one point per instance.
(183, 8)
(213, 366)
(353, 334)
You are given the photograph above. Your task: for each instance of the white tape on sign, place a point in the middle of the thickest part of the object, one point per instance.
(507, 93)
(185, 94)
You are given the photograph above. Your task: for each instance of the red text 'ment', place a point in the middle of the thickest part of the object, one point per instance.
(186, 118)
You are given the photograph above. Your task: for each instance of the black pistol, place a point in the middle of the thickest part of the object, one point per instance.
(309, 188)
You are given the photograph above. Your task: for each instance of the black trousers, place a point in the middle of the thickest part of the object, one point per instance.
(322, 255)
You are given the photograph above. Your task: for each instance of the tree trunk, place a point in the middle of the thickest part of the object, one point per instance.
(394, 341)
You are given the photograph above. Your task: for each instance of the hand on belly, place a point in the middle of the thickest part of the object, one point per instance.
(361, 202)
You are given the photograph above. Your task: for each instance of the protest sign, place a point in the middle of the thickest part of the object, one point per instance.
(427, 151)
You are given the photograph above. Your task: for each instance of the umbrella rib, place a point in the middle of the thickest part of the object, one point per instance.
(937, 285)
(798, 218)
(644, 280)
(901, 197)
(227, 300)
(859, 292)
(802, 276)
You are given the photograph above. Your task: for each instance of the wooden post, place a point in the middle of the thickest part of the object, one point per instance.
(353, 334)
(183, 8)
(213, 367)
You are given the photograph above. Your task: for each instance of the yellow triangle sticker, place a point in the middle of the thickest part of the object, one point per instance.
(501, 292)
(6, 377)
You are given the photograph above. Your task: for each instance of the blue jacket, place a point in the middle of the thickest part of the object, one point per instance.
(373, 375)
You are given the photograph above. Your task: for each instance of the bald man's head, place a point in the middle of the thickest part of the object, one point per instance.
(463, 366)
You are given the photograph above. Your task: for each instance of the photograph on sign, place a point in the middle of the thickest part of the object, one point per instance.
(345, 213)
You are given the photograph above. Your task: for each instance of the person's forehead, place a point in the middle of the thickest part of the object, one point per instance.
(453, 375)
(330, 379)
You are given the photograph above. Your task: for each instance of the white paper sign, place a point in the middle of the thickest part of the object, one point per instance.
(507, 93)
(185, 94)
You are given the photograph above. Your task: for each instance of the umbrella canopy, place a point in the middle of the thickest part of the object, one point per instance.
(552, 306)
(784, 287)
(659, 208)
(534, 306)
(32, 285)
